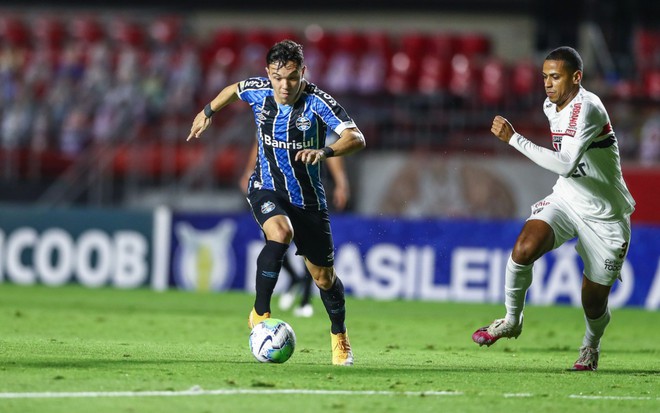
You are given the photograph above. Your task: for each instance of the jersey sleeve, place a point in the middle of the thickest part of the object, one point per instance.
(253, 89)
(562, 162)
(582, 130)
(332, 113)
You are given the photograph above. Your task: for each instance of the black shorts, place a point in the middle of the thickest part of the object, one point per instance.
(311, 228)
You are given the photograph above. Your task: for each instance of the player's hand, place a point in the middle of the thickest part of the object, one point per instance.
(310, 156)
(199, 125)
(502, 129)
(340, 197)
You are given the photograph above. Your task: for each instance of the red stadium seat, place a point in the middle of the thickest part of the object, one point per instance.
(13, 31)
(341, 71)
(494, 87)
(473, 44)
(165, 30)
(435, 73)
(525, 82)
(86, 29)
(652, 84)
(372, 64)
(464, 77)
(405, 63)
(126, 32)
(49, 32)
(319, 44)
(442, 44)
(647, 49)
(283, 34)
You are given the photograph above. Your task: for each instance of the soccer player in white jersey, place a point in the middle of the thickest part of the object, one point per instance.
(590, 201)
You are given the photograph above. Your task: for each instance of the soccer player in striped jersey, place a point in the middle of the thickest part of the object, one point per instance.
(285, 191)
(590, 201)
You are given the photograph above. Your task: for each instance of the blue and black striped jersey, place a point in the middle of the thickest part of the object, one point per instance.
(284, 130)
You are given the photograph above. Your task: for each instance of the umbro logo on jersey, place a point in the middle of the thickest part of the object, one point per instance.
(303, 124)
(267, 207)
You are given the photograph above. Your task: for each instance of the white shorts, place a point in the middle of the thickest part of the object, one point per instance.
(602, 245)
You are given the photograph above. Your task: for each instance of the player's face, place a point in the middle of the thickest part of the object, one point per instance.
(287, 81)
(561, 85)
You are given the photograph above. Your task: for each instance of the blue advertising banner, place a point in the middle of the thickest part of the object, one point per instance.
(90, 247)
(409, 259)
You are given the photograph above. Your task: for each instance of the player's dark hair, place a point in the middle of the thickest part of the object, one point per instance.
(285, 51)
(568, 55)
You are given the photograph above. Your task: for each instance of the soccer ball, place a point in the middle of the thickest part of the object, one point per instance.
(272, 341)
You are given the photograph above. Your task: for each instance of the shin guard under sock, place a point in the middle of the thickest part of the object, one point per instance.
(269, 264)
(335, 305)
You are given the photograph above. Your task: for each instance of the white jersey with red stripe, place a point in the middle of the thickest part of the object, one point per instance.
(586, 156)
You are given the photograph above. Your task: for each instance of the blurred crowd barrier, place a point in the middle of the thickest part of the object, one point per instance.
(95, 103)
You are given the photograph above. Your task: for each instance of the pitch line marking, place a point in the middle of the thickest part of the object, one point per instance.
(219, 392)
(581, 396)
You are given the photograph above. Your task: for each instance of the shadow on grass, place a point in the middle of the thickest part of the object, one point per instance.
(315, 368)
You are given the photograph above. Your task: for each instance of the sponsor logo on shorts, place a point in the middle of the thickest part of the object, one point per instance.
(267, 207)
(303, 124)
(613, 265)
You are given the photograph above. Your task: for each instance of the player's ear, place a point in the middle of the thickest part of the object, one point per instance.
(577, 77)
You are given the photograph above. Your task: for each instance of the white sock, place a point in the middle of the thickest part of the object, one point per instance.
(517, 280)
(595, 330)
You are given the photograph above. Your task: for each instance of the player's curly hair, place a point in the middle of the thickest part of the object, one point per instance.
(568, 55)
(285, 51)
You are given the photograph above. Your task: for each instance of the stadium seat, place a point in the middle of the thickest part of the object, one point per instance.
(652, 84)
(318, 44)
(341, 70)
(442, 44)
(125, 32)
(48, 31)
(13, 31)
(464, 78)
(646, 49)
(493, 88)
(86, 29)
(525, 82)
(165, 30)
(372, 63)
(405, 63)
(473, 44)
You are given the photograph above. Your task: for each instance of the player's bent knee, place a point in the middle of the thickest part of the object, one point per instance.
(324, 277)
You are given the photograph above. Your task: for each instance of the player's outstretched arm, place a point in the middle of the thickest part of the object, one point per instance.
(203, 118)
(562, 163)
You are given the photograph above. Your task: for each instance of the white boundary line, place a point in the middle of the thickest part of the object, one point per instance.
(196, 391)
(219, 392)
(583, 396)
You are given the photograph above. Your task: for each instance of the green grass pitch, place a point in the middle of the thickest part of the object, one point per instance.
(70, 349)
